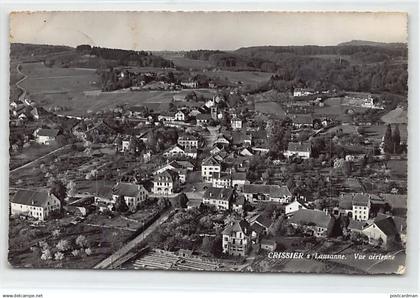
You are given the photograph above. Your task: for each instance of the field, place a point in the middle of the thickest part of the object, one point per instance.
(246, 77)
(77, 91)
(270, 107)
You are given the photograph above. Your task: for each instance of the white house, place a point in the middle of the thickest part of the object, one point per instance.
(236, 123)
(382, 231)
(293, 207)
(46, 136)
(299, 149)
(188, 141)
(37, 204)
(303, 92)
(221, 198)
(209, 166)
(236, 239)
(179, 116)
(133, 194)
(166, 183)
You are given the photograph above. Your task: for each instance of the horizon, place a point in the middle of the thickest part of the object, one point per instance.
(225, 31)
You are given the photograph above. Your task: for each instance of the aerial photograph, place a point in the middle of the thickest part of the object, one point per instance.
(208, 141)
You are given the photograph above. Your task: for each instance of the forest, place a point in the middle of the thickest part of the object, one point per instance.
(362, 68)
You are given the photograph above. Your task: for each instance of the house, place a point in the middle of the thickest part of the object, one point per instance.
(179, 116)
(188, 141)
(302, 120)
(167, 117)
(236, 239)
(209, 166)
(221, 198)
(37, 204)
(238, 203)
(189, 84)
(236, 123)
(240, 138)
(203, 119)
(222, 141)
(261, 224)
(302, 92)
(269, 245)
(239, 180)
(222, 179)
(178, 151)
(293, 207)
(361, 206)
(133, 194)
(265, 192)
(299, 149)
(356, 226)
(166, 183)
(181, 167)
(316, 222)
(383, 231)
(46, 136)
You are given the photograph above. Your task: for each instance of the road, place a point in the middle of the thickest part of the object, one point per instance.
(22, 96)
(41, 157)
(108, 262)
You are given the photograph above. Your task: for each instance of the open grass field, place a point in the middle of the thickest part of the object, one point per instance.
(270, 107)
(77, 90)
(246, 77)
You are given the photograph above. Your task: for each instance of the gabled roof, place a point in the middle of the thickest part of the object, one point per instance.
(224, 194)
(31, 198)
(263, 221)
(272, 190)
(387, 226)
(188, 137)
(299, 146)
(309, 216)
(356, 224)
(127, 189)
(210, 161)
(46, 132)
(237, 226)
(168, 174)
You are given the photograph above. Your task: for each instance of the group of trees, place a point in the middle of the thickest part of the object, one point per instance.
(356, 68)
(392, 140)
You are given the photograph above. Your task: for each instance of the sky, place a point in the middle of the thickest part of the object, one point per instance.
(173, 31)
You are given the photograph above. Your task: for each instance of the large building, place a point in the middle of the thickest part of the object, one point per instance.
(236, 239)
(133, 194)
(166, 183)
(188, 141)
(37, 204)
(265, 192)
(221, 198)
(316, 222)
(46, 136)
(209, 166)
(298, 149)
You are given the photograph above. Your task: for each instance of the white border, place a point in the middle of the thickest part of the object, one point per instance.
(187, 281)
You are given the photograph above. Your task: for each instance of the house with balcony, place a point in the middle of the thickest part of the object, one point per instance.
(166, 183)
(236, 238)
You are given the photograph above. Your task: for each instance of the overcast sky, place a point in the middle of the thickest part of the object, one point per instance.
(201, 30)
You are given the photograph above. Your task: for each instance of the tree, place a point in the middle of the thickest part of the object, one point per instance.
(71, 188)
(63, 245)
(396, 140)
(81, 241)
(120, 204)
(46, 255)
(58, 189)
(388, 142)
(58, 256)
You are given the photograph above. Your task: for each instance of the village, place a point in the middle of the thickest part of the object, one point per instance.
(216, 181)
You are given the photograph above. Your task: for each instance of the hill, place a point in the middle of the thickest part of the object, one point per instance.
(372, 43)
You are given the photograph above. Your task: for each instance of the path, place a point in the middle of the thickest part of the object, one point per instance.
(22, 96)
(40, 158)
(109, 261)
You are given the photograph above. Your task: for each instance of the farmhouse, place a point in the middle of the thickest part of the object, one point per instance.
(317, 222)
(37, 204)
(133, 194)
(265, 192)
(382, 231)
(299, 149)
(46, 136)
(237, 238)
(203, 119)
(178, 151)
(221, 198)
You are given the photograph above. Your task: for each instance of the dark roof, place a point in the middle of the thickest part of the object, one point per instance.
(237, 226)
(127, 189)
(308, 216)
(47, 132)
(395, 200)
(263, 221)
(299, 146)
(356, 225)
(210, 161)
(203, 117)
(239, 176)
(188, 137)
(31, 197)
(387, 225)
(168, 174)
(272, 190)
(224, 194)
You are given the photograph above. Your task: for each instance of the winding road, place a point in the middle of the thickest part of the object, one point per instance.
(22, 96)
